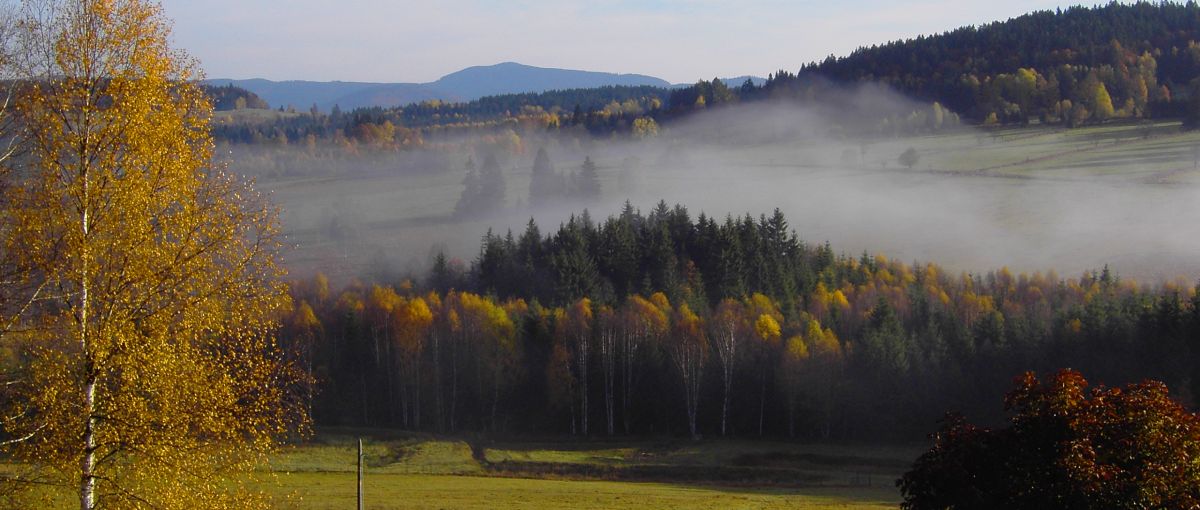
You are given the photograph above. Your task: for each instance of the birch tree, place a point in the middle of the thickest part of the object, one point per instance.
(150, 377)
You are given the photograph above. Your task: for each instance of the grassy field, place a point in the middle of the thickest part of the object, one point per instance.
(386, 491)
(438, 473)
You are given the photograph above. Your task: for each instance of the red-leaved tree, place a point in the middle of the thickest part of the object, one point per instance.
(1068, 448)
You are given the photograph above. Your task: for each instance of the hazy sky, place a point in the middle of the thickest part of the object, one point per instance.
(677, 40)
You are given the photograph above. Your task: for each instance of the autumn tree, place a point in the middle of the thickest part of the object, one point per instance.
(576, 331)
(1066, 447)
(302, 333)
(607, 325)
(792, 364)
(151, 378)
(1099, 99)
(728, 328)
(489, 334)
(380, 304)
(645, 127)
(688, 350)
(767, 332)
(643, 323)
(822, 372)
(560, 380)
(410, 325)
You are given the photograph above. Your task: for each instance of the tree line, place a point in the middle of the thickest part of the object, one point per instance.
(596, 111)
(661, 324)
(1067, 67)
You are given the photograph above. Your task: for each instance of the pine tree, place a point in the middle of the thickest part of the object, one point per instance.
(544, 183)
(587, 185)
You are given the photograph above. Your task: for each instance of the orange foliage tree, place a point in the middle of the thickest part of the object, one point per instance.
(1066, 447)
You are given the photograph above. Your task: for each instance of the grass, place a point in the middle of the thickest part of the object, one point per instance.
(440, 473)
(385, 491)
(420, 472)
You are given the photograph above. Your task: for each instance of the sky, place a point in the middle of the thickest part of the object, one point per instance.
(680, 41)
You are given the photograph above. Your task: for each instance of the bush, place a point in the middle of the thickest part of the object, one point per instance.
(1066, 448)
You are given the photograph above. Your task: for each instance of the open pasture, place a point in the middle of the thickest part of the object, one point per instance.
(440, 473)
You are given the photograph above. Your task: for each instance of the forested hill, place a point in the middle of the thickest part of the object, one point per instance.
(1144, 55)
(1073, 67)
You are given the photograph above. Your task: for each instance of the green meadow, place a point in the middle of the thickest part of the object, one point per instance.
(444, 473)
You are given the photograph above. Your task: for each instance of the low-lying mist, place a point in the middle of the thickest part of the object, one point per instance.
(974, 199)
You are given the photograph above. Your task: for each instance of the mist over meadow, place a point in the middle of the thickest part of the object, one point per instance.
(967, 203)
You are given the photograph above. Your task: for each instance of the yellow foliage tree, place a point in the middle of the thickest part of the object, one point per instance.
(795, 354)
(576, 330)
(149, 378)
(728, 328)
(1103, 102)
(688, 348)
(410, 324)
(767, 331)
(643, 323)
(645, 127)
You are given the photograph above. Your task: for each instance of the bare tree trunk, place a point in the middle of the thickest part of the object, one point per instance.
(792, 417)
(582, 358)
(725, 402)
(608, 357)
(571, 404)
(453, 383)
(362, 384)
(416, 389)
(87, 465)
(495, 396)
(727, 352)
(87, 478)
(627, 353)
(391, 385)
(608, 398)
(309, 383)
(693, 399)
(437, 383)
(402, 381)
(762, 401)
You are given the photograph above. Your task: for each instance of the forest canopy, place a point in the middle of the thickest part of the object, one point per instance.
(656, 322)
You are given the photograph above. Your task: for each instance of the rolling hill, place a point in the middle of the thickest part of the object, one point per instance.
(465, 85)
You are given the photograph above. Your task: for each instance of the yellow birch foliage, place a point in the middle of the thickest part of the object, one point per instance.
(153, 379)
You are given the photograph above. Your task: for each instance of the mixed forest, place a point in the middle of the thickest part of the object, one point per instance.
(665, 323)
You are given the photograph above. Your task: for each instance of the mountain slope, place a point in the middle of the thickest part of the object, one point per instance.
(513, 78)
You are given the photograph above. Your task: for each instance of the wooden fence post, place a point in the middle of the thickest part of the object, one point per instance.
(360, 474)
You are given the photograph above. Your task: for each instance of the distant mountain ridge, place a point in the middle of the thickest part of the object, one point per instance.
(465, 85)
